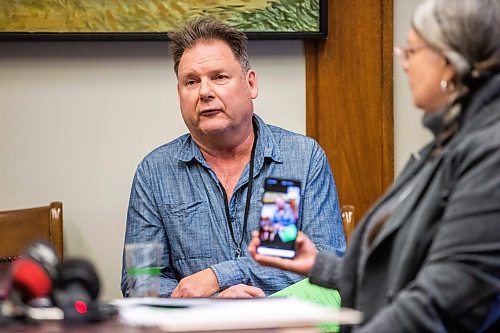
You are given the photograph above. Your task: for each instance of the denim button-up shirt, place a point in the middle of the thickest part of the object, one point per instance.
(177, 200)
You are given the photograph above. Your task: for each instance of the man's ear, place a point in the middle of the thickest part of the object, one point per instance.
(251, 79)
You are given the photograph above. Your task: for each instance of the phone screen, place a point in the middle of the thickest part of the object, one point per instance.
(278, 218)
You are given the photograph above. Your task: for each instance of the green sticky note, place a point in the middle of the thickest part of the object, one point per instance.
(307, 291)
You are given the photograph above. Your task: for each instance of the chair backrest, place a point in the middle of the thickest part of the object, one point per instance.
(20, 228)
(348, 220)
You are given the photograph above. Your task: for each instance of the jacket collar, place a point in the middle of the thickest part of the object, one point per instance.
(482, 108)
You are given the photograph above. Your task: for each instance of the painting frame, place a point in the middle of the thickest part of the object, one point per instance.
(69, 35)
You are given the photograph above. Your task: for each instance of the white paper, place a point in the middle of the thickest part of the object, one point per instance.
(215, 314)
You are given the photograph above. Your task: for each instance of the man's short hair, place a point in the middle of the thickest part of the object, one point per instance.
(208, 28)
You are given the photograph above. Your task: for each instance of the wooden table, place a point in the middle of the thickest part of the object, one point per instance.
(113, 326)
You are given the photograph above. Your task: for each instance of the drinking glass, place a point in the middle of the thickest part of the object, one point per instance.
(143, 261)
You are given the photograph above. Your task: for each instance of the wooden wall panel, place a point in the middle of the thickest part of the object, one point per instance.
(349, 98)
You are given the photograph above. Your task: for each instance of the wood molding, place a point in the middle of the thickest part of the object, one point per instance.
(349, 98)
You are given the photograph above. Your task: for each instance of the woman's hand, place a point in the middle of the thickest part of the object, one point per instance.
(305, 255)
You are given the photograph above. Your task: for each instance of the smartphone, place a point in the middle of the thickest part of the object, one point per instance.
(279, 216)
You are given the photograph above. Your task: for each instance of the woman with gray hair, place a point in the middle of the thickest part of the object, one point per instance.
(426, 257)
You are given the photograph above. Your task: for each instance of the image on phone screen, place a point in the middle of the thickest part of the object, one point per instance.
(278, 218)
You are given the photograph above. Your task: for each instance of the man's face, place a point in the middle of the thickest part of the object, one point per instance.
(215, 95)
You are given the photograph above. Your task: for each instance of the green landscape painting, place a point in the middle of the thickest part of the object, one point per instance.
(156, 16)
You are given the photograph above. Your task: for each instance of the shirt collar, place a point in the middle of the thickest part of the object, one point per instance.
(267, 147)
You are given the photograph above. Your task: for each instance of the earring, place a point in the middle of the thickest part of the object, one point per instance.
(444, 85)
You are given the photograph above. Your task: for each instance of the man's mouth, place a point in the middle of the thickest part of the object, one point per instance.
(209, 112)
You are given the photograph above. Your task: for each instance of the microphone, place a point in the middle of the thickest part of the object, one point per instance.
(42, 287)
(30, 280)
(76, 289)
(76, 293)
(33, 275)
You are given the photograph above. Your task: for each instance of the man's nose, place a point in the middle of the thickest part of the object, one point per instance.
(206, 91)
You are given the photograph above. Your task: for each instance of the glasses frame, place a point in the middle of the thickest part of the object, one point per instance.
(405, 53)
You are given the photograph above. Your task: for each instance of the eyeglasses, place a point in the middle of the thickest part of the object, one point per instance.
(406, 52)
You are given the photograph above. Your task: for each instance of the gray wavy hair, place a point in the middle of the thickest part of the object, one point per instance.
(466, 32)
(208, 28)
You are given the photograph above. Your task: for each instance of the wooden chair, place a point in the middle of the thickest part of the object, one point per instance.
(20, 228)
(348, 220)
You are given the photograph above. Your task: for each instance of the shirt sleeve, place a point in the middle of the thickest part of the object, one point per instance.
(144, 225)
(326, 270)
(245, 270)
(321, 219)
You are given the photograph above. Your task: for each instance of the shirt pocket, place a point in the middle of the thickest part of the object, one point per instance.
(188, 229)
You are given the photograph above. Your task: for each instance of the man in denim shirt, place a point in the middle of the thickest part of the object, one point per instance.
(199, 195)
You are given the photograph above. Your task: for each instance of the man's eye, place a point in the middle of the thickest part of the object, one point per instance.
(220, 77)
(190, 82)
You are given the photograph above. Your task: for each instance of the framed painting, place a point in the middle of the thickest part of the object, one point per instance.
(153, 19)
